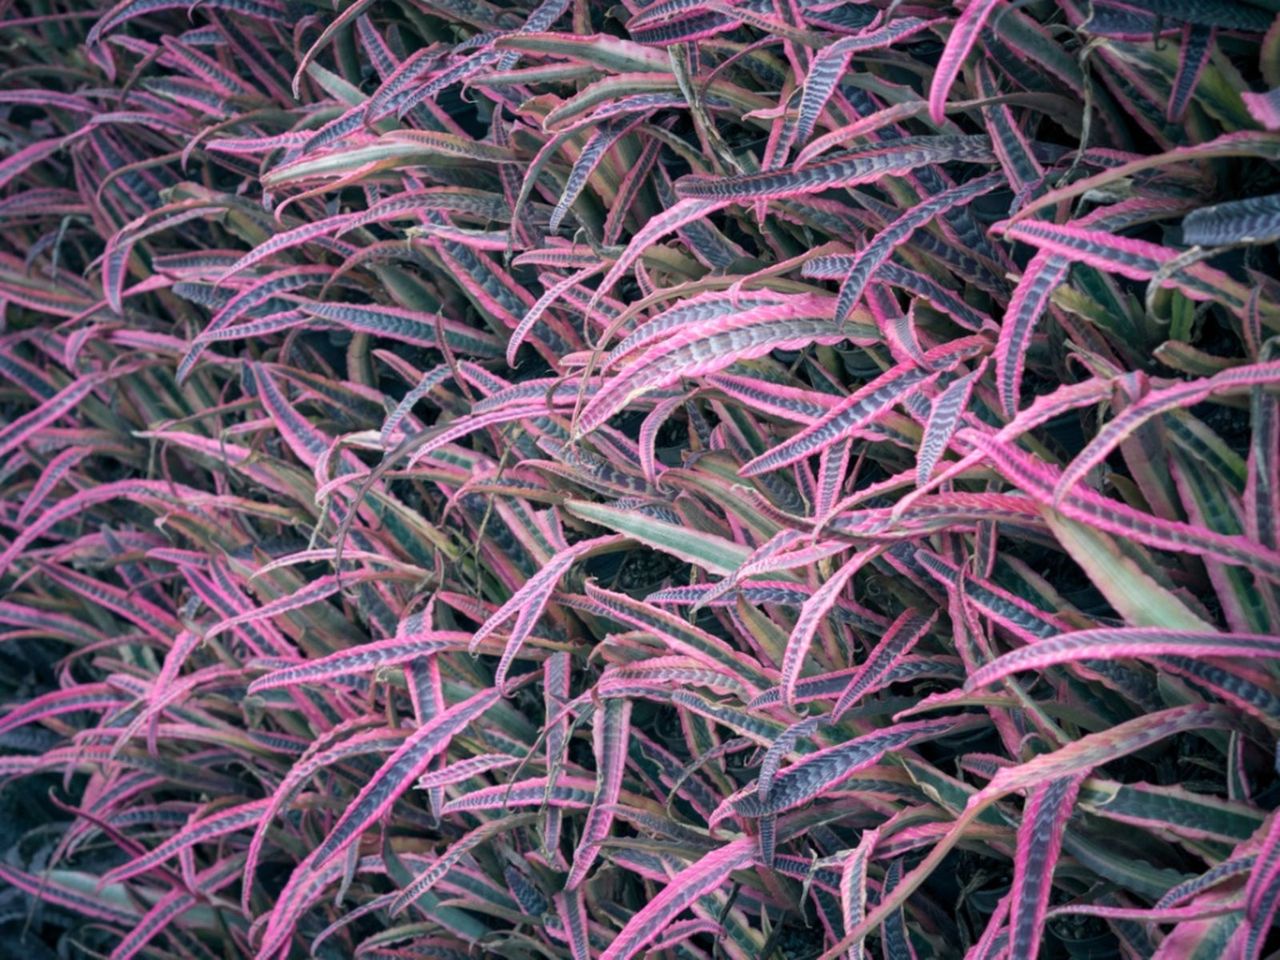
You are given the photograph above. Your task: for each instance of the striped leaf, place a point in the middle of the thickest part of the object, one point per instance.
(406, 326)
(610, 734)
(1181, 396)
(831, 62)
(199, 831)
(1135, 259)
(812, 614)
(362, 659)
(881, 247)
(527, 603)
(709, 347)
(821, 772)
(1255, 220)
(964, 34)
(1111, 516)
(843, 170)
(1129, 642)
(863, 406)
(399, 771)
(1044, 820)
(681, 892)
(944, 419)
(902, 636)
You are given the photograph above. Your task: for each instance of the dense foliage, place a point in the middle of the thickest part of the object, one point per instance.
(713, 479)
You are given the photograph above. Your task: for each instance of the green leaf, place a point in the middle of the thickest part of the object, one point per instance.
(706, 550)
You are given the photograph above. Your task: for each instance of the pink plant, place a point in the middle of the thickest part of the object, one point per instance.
(705, 479)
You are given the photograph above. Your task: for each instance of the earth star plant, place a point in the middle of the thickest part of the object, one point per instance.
(581, 480)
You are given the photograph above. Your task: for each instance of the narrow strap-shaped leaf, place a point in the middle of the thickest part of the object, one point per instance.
(1016, 155)
(709, 348)
(438, 869)
(698, 310)
(825, 770)
(851, 413)
(166, 909)
(398, 773)
(610, 733)
(1262, 892)
(283, 241)
(843, 170)
(115, 258)
(84, 696)
(682, 637)
(127, 10)
(1182, 395)
(681, 892)
(593, 151)
(833, 465)
(465, 770)
(648, 438)
(1044, 820)
(827, 686)
(165, 494)
(897, 328)
(790, 403)
(1043, 275)
(1262, 486)
(1197, 44)
(61, 887)
(964, 34)
(327, 750)
(770, 592)
(362, 659)
(20, 429)
(1255, 220)
(1121, 740)
(812, 614)
(314, 592)
(1127, 642)
(51, 625)
(944, 418)
(527, 603)
(279, 929)
(994, 941)
(1111, 516)
(574, 793)
(830, 63)
(1223, 871)
(530, 897)
(553, 293)
(259, 295)
(778, 751)
(199, 831)
(1239, 143)
(19, 161)
(1079, 756)
(337, 23)
(901, 637)
(853, 886)
(571, 906)
(408, 326)
(1135, 259)
(430, 380)
(899, 231)
(897, 942)
(670, 220)
(942, 298)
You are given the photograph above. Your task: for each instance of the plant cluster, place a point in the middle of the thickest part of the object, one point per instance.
(708, 479)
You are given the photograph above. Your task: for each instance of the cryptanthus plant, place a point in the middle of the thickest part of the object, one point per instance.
(706, 479)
